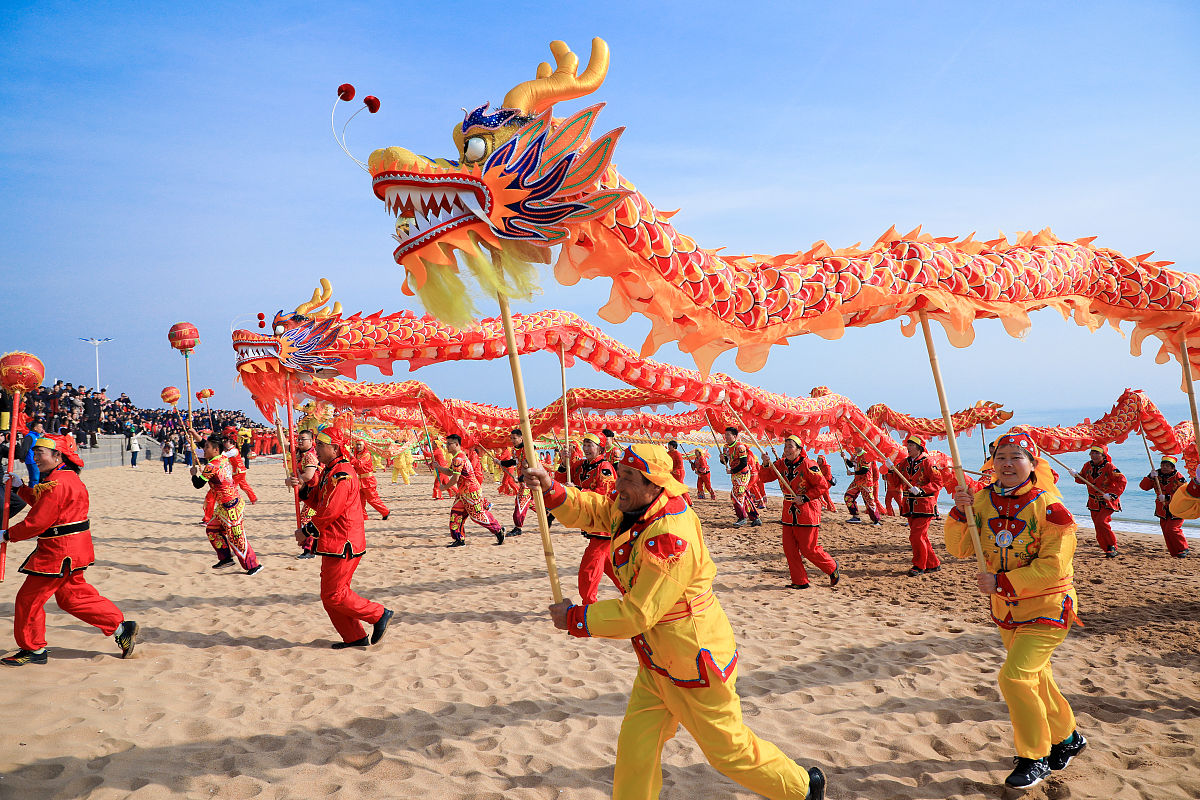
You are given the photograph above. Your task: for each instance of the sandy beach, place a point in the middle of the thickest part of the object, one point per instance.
(886, 682)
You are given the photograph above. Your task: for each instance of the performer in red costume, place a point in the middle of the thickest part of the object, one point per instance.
(340, 540)
(439, 460)
(364, 465)
(308, 471)
(1164, 482)
(508, 485)
(230, 435)
(826, 471)
(801, 512)
(225, 531)
(893, 489)
(677, 467)
(736, 458)
(612, 449)
(524, 498)
(594, 473)
(1105, 498)
(699, 461)
(861, 483)
(919, 505)
(58, 517)
(469, 501)
(756, 490)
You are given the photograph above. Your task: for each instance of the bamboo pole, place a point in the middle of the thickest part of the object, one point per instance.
(187, 374)
(1191, 391)
(291, 448)
(430, 462)
(1150, 458)
(879, 452)
(514, 363)
(562, 369)
(12, 455)
(954, 457)
(1086, 482)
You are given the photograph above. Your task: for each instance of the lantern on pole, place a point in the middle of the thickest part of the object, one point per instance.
(20, 373)
(184, 337)
(203, 396)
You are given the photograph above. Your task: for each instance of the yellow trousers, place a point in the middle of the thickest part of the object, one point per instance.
(713, 716)
(1040, 715)
(400, 471)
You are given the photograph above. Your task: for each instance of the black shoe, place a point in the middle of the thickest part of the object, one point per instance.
(380, 627)
(914, 572)
(1110, 552)
(836, 576)
(255, 570)
(877, 522)
(854, 519)
(458, 543)
(1029, 772)
(385, 516)
(1183, 553)
(500, 536)
(363, 642)
(126, 637)
(23, 657)
(756, 523)
(816, 784)
(307, 554)
(1062, 753)
(515, 532)
(938, 568)
(797, 585)
(224, 562)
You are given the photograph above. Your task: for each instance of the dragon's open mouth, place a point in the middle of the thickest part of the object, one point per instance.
(259, 354)
(429, 206)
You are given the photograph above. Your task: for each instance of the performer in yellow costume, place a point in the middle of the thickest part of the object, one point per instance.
(679, 631)
(1028, 540)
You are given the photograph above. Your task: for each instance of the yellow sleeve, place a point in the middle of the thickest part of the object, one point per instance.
(658, 586)
(958, 537)
(1053, 564)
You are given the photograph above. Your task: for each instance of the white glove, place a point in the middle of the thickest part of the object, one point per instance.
(1073, 473)
(17, 483)
(914, 491)
(1162, 497)
(1110, 497)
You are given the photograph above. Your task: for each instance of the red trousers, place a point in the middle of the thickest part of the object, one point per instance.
(918, 536)
(704, 484)
(73, 594)
(521, 506)
(595, 562)
(437, 487)
(1172, 530)
(892, 495)
(347, 611)
(827, 502)
(368, 490)
(1102, 520)
(210, 502)
(240, 480)
(800, 542)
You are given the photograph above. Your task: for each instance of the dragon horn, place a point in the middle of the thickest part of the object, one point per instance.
(320, 297)
(537, 95)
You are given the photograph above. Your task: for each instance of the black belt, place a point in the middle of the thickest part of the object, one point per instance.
(594, 536)
(65, 530)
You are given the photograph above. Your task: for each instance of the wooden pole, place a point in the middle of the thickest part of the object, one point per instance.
(562, 369)
(1191, 391)
(983, 442)
(429, 438)
(187, 374)
(514, 363)
(12, 455)
(1150, 458)
(879, 452)
(290, 450)
(958, 467)
(1086, 482)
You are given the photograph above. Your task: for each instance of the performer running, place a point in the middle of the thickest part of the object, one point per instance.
(58, 517)
(827, 503)
(509, 483)
(736, 458)
(1165, 482)
(919, 505)
(1105, 498)
(685, 645)
(593, 473)
(677, 467)
(699, 461)
(893, 492)
(308, 470)
(340, 539)
(438, 459)
(1028, 540)
(368, 487)
(755, 489)
(225, 531)
(469, 502)
(860, 469)
(237, 462)
(801, 512)
(612, 449)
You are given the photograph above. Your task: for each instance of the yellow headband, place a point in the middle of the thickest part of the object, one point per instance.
(324, 437)
(49, 444)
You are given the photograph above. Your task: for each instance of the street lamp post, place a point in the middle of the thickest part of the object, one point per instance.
(96, 342)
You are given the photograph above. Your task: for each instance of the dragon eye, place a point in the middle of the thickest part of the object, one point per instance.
(279, 330)
(475, 149)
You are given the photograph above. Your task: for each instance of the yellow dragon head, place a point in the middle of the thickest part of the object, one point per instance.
(523, 182)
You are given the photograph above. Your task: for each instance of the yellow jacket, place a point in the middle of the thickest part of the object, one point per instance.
(1185, 503)
(667, 606)
(1029, 542)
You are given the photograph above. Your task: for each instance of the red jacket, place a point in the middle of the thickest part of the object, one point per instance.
(805, 481)
(1170, 484)
(338, 524)
(1108, 479)
(922, 476)
(595, 476)
(677, 465)
(700, 462)
(59, 501)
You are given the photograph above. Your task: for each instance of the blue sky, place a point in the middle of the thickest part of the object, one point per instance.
(167, 165)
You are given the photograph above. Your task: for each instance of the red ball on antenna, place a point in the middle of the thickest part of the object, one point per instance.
(346, 92)
(262, 315)
(371, 102)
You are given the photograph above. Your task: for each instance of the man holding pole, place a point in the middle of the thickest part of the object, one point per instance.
(683, 640)
(308, 471)
(677, 466)
(594, 473)
(919, 505)
(862, 482)
(699, 461)
(225, 531)
(1164, 482)
(469, 501)
(1105, 485)
(364, 465)
(805, 486)
(736, 458)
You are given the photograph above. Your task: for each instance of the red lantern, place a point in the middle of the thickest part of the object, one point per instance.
(204, 394)
(184, 337)
(21, 372)
(170, 395)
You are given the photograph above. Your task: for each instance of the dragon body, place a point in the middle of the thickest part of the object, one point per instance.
(525, 184)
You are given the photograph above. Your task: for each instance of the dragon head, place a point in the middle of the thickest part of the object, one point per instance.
(523, 182)
(300, 345)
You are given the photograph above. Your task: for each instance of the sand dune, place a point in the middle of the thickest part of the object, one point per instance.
(887, 682)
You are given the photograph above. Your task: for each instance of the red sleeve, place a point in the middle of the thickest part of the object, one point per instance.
(1057, 514)
(577, 621)
(1147, 483)
(817, 483)
(44, 512)
(766, 474)
(1004, 586)
(339, 495)
(1116, 480)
